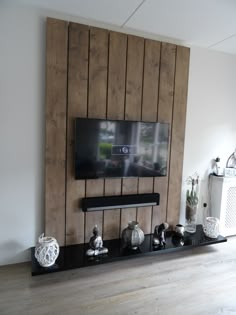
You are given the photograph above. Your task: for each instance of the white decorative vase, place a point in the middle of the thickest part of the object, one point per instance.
(211, 227)
(46, 250)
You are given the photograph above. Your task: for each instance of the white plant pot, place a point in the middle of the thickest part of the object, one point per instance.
(46, 250)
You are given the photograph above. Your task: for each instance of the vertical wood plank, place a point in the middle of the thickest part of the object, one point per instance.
(133, 100)
(149, 113)
(98, 59)
(77, 107)
(111, 229)
(166, 85)
(129, 186)
(165, 109)
(74, 214)
(144, 214)
(116, 76)
(159, 212)
(94, 188)
(151, 80)
(134, 78)
(97, 101)
(56, 107)
(115, 110)
(178, 133)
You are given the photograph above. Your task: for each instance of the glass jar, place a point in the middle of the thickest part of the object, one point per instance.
(190, 219)
(191, 204)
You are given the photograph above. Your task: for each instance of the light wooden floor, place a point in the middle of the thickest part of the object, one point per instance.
(200, 281)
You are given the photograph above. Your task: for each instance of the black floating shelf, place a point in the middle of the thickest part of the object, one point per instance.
(124, 201)
(74, 256)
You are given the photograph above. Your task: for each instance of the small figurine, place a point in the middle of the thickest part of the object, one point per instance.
(96, 244)
(178, 235)
(159, 238)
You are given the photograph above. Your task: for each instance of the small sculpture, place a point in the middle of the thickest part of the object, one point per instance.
(159, 237)
(178, 235)
(96, 244)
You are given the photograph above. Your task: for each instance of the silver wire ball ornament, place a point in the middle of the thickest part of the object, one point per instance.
(231, 162)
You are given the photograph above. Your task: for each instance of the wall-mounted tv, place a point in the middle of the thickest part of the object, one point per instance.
(115, 148)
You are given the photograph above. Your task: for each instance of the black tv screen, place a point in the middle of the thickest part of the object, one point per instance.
(115, 148)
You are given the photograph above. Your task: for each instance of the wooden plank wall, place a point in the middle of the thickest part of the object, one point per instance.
(56, 112)
(97, 73)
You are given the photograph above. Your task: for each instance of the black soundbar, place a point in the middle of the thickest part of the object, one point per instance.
(124, 201)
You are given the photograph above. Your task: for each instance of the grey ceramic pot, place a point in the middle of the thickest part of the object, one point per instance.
(132, 236)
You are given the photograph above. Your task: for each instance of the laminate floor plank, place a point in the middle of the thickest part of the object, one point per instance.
(201, 281)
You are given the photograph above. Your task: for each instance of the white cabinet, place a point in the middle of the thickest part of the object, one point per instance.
(223, 203)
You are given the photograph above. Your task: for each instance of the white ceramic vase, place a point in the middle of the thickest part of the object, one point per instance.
(211, 227)
(46, 250)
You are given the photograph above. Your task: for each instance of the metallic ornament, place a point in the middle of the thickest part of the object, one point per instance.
(132, 236)
(96, 244)
(159, 237)
(179, 229)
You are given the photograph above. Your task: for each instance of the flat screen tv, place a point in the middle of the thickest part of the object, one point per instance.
(115, 148)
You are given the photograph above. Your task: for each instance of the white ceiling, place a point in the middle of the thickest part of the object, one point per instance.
(205, 23)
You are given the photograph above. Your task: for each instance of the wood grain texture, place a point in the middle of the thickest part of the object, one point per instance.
(74, 214)
(144, 214)
(110, 76)
(111, 228)
(56, 107)
(166, 85)
(98, 61)
(78, 70)
(134, 78)
(129, 186)
(159, 212)
(133, 103)
(94, 188)
(151, 80)
(136, 287)
(116, 76)
(77, 107)
(115, 110)
(178, 133)
(165, 110)
(97, 101)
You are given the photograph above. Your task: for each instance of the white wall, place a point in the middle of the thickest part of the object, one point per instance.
(211, 112)
(210, 129)
(22, 55)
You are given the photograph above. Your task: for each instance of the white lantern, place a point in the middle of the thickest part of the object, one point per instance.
(46, 250)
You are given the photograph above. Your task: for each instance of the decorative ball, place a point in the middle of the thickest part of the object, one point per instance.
(46, 250)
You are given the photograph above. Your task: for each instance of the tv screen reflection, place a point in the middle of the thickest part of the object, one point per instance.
(105, 148)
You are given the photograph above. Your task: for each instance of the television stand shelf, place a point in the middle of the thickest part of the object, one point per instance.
(73, 256)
